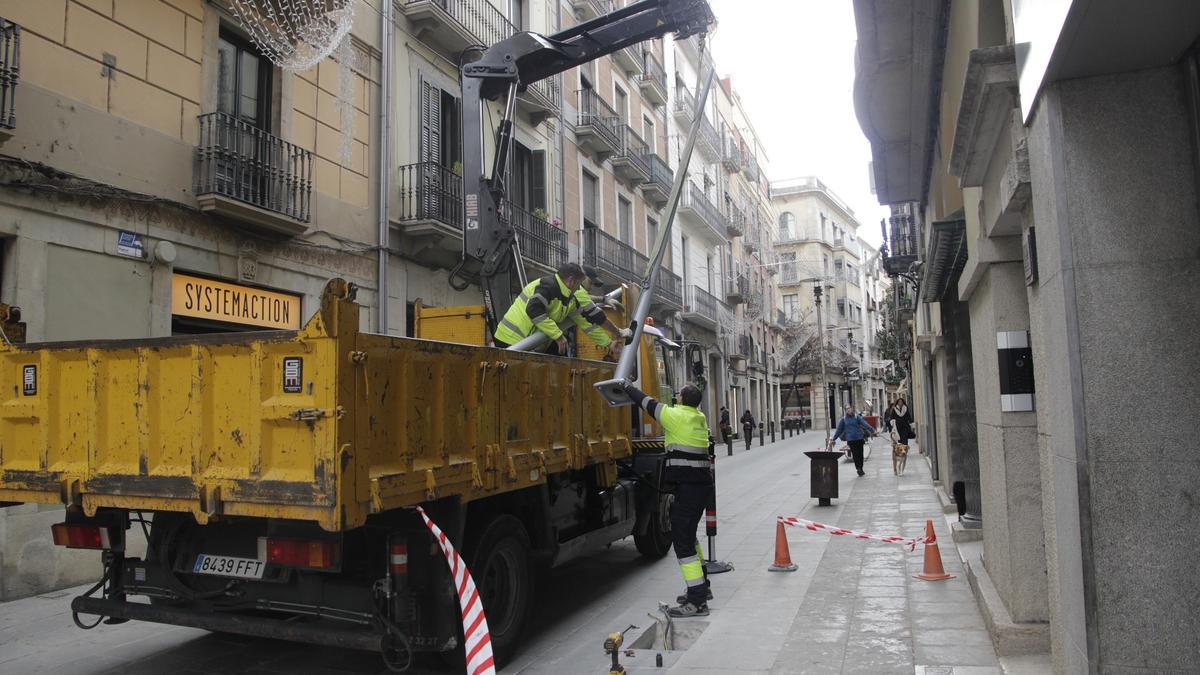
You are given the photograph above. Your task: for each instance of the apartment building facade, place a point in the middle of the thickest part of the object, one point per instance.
(156, 160)
(161, 177)
(1040, 163)
(817, 244)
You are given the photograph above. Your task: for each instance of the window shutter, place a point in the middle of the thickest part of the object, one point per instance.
(538, 179)
(431, 122)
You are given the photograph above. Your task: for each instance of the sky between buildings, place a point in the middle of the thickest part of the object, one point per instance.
(792, 64)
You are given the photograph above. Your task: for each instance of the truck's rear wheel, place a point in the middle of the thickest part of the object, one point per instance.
(499, 563)
(655, 542)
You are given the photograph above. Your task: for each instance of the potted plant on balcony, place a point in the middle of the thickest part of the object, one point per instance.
(540, 213)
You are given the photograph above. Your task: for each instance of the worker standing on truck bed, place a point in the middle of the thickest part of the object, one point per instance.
(687, 468)
(550, 300)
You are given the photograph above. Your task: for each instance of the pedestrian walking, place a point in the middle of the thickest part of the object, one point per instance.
(726, 428)
(687, 471)
(855, 430)
(903, 421)
(748, 427)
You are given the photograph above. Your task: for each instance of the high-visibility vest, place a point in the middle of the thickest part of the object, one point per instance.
(518, 325)
(686, 440)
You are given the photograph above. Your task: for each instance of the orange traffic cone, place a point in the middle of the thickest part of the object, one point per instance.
(783, 559)
(933, 558)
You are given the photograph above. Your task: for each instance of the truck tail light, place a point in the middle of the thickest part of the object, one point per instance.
(81, 536)
(313, 554)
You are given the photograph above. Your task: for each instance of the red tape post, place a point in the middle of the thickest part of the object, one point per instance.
(477, 641)
(910, 542)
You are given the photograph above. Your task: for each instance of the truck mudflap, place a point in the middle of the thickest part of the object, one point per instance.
(367, 638)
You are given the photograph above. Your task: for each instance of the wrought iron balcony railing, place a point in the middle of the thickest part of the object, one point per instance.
(670, 288)
(244, 163)
(478, 20)
(10, 70)
(658, 187)
(732, 155)
(685, 103)
(429, 192)
(590, 9)
(653, 79)
(598, 120)
(696, 203)
(629, 162)
(702, 303)
(735, 221)
(709, 141)
(605, 252)
(540, 242)
(737, 289)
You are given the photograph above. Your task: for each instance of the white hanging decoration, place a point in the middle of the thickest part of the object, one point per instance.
(296, 35)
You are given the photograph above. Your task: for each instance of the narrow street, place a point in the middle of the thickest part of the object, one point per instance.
(852, 606)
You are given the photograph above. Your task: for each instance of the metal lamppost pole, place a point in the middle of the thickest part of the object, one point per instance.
(821, 355)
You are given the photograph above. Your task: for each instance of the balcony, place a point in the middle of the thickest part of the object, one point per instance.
(737, 289)
(735, 221)
(596, 129)
(741, 348)
(629, 162)
(431, 199)
(732, 156)
(752, 240)
(709, 142)
(540, 242)
(701, 308)
(658, 188)
(750, 168)
(609, 254)
(454, 25)
(629, 59)
(10, 67)
(653, 80)
(690, 48)
(586, 10)
(247, 174)
(685, 106)
(695, 206)
(542, 100)
(669, 292)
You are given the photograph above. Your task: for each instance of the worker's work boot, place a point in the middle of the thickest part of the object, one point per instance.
(682, 599)
(687, 610)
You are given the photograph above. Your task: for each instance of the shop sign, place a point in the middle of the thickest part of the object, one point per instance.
(219, 301)
(130, 244)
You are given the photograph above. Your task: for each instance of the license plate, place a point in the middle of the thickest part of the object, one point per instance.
(228, 566)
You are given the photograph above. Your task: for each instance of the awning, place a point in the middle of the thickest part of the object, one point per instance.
(946, 257)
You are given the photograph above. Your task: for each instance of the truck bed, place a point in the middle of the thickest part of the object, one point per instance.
(326, 424)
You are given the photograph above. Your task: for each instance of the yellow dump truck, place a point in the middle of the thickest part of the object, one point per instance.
(276, 473)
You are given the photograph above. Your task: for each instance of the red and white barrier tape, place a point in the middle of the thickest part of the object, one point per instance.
(910, 542)
(477, 641)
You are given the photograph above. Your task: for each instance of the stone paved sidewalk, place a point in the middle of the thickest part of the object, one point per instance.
(864, 612)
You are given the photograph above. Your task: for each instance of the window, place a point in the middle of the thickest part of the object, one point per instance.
(625, 220)
(648, 134)
(787, 226)
(791, 306)
(651, 236)
(621, 103)
(516, 13)
(527, 184)
(841, 306)
(788, 267)
(243, 82)
(591, 191)
(441, 142)
(587, 75)
(686, 262)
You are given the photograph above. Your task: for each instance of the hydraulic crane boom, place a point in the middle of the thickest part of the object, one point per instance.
(509, 66)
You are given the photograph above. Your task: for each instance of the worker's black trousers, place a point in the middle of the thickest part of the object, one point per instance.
(690, 501)
(856, 451)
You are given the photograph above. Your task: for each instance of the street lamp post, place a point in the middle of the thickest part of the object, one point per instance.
(821, 355)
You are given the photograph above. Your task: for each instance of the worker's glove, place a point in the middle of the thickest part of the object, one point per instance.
(610, 303)
(625, 333)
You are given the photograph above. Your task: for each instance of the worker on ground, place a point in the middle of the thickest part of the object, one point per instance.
(552, 300)
(687, 470)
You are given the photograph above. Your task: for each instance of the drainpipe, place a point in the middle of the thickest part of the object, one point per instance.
(385, 133)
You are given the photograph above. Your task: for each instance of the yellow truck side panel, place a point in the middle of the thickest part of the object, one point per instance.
(207, 424)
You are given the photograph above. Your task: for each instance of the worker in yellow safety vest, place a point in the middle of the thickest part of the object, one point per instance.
(552, 300)
(688, 470)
